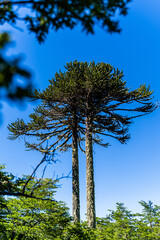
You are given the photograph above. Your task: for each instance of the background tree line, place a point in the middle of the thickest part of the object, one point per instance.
(35, 219)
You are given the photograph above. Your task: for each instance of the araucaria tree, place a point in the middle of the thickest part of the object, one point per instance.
(109, 107)
(87, 101)
(56, 121)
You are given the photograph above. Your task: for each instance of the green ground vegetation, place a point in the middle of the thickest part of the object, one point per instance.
(28, 218)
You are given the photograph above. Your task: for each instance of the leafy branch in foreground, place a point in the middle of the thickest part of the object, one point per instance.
(41, 15)
(10, 70)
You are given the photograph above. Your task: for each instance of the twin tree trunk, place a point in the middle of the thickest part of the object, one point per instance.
(75, 174)
(91, 216)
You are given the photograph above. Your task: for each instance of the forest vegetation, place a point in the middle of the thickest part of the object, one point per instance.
(35, 219)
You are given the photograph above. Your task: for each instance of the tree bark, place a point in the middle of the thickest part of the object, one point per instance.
(91, 216)
(75, 175)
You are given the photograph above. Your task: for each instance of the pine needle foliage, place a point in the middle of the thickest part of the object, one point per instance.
(55, 116)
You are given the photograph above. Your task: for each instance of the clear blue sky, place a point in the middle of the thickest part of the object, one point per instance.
(123, 173)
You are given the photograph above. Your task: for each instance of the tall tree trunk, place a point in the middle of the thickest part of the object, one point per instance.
(75, 174)
(91, 216)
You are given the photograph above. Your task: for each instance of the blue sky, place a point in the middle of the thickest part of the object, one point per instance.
(123, 173)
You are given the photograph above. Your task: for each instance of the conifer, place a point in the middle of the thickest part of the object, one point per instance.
(87, 101)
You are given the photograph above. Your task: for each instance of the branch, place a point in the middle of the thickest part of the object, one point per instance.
(27, 2)
(21, 191)
(19, 194)
(63, 177)
(31, 176)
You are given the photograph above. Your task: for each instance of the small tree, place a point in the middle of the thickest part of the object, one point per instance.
(27, 218)
(118, 224)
